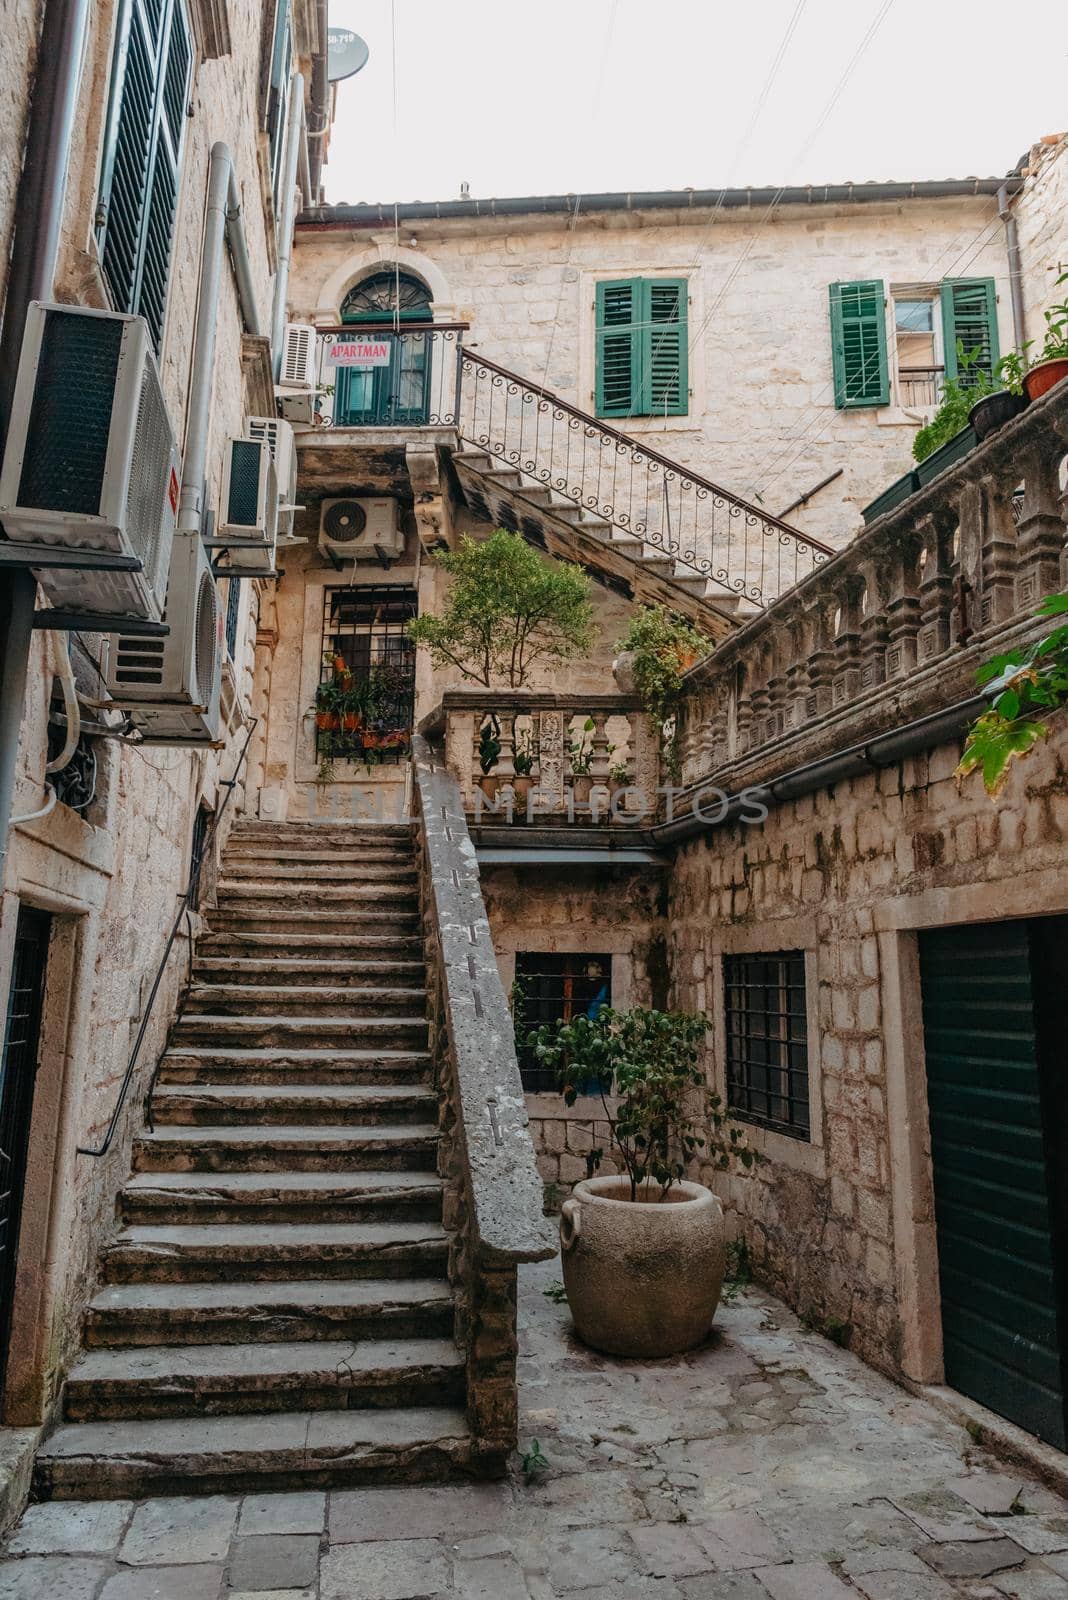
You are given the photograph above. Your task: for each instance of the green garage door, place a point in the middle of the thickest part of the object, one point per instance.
(986, 998)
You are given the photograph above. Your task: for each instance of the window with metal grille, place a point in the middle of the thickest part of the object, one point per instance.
(142, 156)
(366, 692)
(767, 1040)
(200, 834)
(554, 988)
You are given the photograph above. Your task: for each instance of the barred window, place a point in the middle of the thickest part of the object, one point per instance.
(767, 1040)
(554, 988)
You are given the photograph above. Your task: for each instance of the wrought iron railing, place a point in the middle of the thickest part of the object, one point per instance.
(376, 375)
(672, 510)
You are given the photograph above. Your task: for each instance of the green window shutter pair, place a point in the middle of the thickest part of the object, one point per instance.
(642, 367)
(970, 319)
(858, 335)
(142, 158)
(858, 344)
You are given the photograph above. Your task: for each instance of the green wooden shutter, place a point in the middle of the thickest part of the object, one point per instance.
(970, 318)
(664, 372)
(618, 347)
(139, 185)
(858, 344)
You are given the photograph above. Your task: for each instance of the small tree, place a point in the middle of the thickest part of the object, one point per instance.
(507, 609)
(664, 1113)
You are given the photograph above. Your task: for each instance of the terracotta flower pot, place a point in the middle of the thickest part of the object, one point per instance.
(522, 787)
(351, 721)
(643, 1278)
(1043, 377)
(581, 788)
(489, 783)
(326, 721)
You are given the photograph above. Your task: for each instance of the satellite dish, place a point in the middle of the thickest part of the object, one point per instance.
(346, 53)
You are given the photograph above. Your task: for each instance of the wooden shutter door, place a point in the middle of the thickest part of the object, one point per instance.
(175, 62)
(618, 347)
(128, 151)
(858, 344)
(970, 319)
(665, 382)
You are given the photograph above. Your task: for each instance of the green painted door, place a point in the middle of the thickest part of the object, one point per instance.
(989, 992)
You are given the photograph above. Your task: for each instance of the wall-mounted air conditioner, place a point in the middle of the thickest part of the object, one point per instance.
(248, 511)
(170, 687)
(278, 435)
(360, 529)
(91, 461)
(296, 389)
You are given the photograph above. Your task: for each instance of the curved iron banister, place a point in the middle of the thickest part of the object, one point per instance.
(743, 549)
(185, 905)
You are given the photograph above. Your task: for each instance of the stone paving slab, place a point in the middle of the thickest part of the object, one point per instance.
(769, 1465)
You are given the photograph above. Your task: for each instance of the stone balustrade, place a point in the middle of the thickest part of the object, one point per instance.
(894, 625)
(493, 1198)
(592, 757)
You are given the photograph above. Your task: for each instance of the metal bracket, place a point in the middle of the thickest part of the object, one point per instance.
(66, 621)
(14, 553)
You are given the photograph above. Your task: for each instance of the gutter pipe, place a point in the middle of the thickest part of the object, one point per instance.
(320, 100)
(304, 163)
(1012, 251)
(375, 214)
(287, 220)
(853, 762)
(222, 220)
(32, 272)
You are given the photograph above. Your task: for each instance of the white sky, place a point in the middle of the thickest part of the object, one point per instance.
(523, 97)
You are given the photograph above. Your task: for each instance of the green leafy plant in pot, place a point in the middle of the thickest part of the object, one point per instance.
(644, 1252)
(1051, 365)
(580, 760)
(660, 648)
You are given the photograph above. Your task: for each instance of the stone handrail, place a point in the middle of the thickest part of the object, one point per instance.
(893, 626)
(622, 737)
(493, 1201)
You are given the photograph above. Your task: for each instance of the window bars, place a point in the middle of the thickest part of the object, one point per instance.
(366, 696)
(767, 1040)
(554, 988)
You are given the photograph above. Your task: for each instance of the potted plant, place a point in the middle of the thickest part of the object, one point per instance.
(1051, 366)
(327, 707)
(949, 436)
(523, 764)
(489, 753)
(580, 759)
(662, 647)
(618, 778)
(644, 1251)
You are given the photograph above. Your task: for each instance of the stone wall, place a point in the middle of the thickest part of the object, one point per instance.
(111, 876)
(1042, 220)
(762, 417)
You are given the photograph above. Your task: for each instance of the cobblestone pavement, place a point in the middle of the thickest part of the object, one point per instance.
(768, 1466)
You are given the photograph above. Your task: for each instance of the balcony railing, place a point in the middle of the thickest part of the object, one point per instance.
(894, 626)
(920, 387)
(375, 375)
(522, 755)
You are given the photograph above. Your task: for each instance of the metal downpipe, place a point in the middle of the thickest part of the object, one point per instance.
(235, 236)
(287, 220)
(32, 272)
(1012, 251)
(195, 455)
(320, 101)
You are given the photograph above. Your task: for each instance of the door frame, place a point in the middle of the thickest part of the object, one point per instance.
(898, 922)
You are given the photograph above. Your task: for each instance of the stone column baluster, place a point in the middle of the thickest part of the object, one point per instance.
(506, 762)
(600, 761)
(741, 740)
(1040, 531)
(874, 629)
(551, 760)
(936, 589)
(999, 555)
(820, 658)
(846, 682)
(903, 611)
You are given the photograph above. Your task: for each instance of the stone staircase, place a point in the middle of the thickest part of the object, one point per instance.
(274, 1311)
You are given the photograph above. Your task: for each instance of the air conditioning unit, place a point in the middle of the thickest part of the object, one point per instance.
(279, 438)
(170, 687)
(91, 461)
(248, 512)
(296, 390)
(360, 530)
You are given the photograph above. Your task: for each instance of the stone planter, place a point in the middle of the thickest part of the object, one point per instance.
(1044, 376)
(643, 1278)
(954, 450)
(994, 410)
(898, 492)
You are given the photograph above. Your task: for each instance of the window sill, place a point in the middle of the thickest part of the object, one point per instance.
(782, 1151)
(898, 417)
(637, 426)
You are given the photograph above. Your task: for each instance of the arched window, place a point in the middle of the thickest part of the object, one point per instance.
(395, 392)
(377, 297)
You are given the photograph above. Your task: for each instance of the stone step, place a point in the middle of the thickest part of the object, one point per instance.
(273, 1104)
(388, 866)
(303, 1000)
(232, 927)
(370, 945)
(207, 1064)
(166, 1197)
(235, 1455)
(255, 897)
(260, 1252)
(226, 1379)
(318, 828)
(299, 971)
(394, 1033)
(299, 1148)
(133, 1314)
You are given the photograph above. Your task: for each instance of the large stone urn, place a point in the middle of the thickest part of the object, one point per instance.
(643, 1277)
